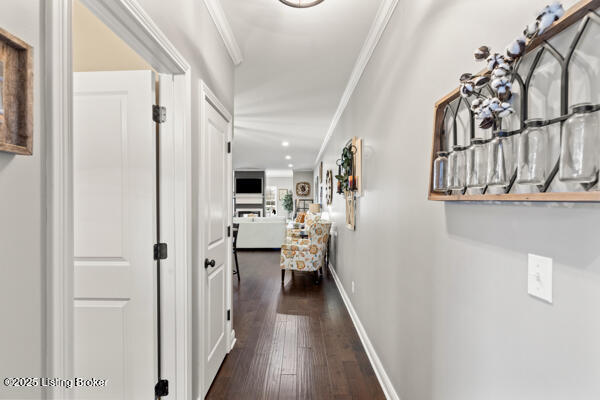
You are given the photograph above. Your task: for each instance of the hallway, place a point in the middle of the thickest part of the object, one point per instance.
(295, 342)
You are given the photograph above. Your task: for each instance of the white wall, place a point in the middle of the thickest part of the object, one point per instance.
(21, 235)
(280, 183)
(303, 176)
(442, 288)
(188, 26)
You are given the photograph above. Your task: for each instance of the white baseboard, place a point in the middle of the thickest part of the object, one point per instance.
(382, 376)
(233, 341)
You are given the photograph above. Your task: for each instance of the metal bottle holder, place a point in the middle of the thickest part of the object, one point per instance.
(453, 106)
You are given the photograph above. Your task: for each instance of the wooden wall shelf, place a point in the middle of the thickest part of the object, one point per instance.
(584, 13)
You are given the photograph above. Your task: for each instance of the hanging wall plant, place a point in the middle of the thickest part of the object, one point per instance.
(345, 175)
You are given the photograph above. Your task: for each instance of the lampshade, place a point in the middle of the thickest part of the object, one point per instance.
(314, 208)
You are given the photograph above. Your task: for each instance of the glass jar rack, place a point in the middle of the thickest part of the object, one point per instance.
(560, 69)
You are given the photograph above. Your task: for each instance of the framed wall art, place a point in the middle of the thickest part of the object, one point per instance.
(350, 210)
(329, 187)
(16, 95)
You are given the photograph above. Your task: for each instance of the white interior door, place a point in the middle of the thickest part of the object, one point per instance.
(115, 227)
(216, 134)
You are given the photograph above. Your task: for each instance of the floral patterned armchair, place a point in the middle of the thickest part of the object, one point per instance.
(297, 227)
(306, 254)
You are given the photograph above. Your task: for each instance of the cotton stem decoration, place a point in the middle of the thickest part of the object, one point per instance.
(489, 110)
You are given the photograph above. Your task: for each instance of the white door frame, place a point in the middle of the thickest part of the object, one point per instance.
(129, 21)
(207, 96)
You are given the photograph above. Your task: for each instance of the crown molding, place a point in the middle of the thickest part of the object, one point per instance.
(220, 19)
(384, 13)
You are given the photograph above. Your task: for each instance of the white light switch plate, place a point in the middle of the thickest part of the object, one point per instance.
(539, 279)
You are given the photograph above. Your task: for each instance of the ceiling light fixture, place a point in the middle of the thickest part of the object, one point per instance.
(301, 3)
(285, 144)
(290, 165)
(288, 157)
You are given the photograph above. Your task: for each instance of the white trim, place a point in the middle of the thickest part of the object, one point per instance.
(382, 376)
(220, 19)
(127, 19)
(384, 13)
(130, 22)
(58, 80)
(233, 341)
(210, 96)
(183, 232)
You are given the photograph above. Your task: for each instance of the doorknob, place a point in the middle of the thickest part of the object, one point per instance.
(209, 263)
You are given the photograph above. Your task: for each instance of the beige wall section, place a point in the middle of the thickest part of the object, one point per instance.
(442, 288)
(97, 48)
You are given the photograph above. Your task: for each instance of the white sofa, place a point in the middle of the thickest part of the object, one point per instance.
(260, 232)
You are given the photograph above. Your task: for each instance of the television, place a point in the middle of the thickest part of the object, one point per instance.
(248, 186)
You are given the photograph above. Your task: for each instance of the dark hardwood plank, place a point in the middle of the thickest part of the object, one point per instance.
(290, 347)
(287, 387)
(294, 341)
(273, 372)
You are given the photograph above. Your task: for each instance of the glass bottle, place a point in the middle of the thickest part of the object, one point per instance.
(440, 172)
(457, 170)
(477, 156)
(579, 145)
(533, 153)
(501, 164)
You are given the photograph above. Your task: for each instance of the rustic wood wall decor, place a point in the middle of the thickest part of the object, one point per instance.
(350, 210)
(551, 77)
(329, 187)
(349, 174)
(357, 143)
(303, 189)
(16, 95)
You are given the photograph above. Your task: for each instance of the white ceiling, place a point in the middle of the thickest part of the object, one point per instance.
(297, 63)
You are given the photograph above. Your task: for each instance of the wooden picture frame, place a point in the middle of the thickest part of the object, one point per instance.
(321, 171)
(329, 187)
(281, 194)
(575, 14)
(350, 210)
(16, 95)
(357, 165)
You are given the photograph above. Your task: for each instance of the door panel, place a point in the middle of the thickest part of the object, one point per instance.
(114, 225)
(216, 316)
(216, 131)
(216, 147)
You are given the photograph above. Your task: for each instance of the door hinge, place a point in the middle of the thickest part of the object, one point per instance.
(228, 230)
(160, 251)
(159, 114)
(228, 147)
(228, 315)
(162, 388)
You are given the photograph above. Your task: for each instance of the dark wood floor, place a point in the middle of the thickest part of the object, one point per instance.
(295, 341)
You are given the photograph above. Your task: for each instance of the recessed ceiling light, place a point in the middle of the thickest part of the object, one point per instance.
(290, 165)
(288, 157)
(285, 144)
